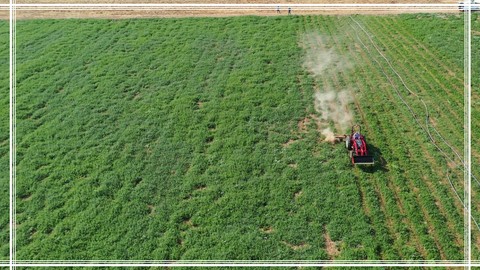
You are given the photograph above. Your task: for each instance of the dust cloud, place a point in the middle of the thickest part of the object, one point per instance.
(333, 107)
(321, 57)
(330, 103)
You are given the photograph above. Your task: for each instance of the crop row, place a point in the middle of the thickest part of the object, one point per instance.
(443, 197)
(196, 139)
(423, 200)
(4, 141)
(453, 94)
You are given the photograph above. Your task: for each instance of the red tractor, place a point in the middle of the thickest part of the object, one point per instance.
(357, 147)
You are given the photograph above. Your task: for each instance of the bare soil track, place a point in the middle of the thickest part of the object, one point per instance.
(161, 13)
(128, 14)
(238, 1)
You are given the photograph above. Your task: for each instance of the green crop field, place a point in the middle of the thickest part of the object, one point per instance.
(4, 141)
(475, 125)
(203, 138)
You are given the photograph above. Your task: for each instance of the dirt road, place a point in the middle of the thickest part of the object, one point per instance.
(238, 1)
(22, 13)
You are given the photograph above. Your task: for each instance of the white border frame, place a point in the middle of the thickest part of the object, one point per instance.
(467, 262)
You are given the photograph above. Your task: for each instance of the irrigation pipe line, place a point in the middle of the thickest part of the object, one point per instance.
(427, 118)
(456, 153)
(458, 196)
(426, 109)
(386, 75)
(411, 110)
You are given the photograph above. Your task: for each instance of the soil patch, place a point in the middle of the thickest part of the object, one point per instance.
(268, 229)
(297, 247)
(331, 246)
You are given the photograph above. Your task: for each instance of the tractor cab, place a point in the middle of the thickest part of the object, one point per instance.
(357, 147)
(359, 143)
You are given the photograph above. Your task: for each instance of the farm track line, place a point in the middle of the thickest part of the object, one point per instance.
(334, 83)
(375, 220)
(438, 63)
(337, 84)
(381, 197)
(444, 141)
(390, 187)
(436, 196)
(390, 223)
(182, 233)
(432, 160)
(426, 129)
(441, 137)
(409, 37)
(427, 216)
(400, 63)
(414, 229)
(427, 55)
(402, 52)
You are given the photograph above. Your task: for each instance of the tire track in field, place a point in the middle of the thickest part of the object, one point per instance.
(431, 56)
(411, 185)
(426, 128)
(199, 189)
(395, 192)
(425, 212)
(405, 69)
(426, 78)
(372, 135)
(330, 80)
(443, 140)
(474, 193)
(427, 57)
(389, 223)
(448, 124)
(432, 161)
(374, 220)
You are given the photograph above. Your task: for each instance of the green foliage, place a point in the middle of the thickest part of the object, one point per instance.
(4, 140)
(475, 118)
(179, 139)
